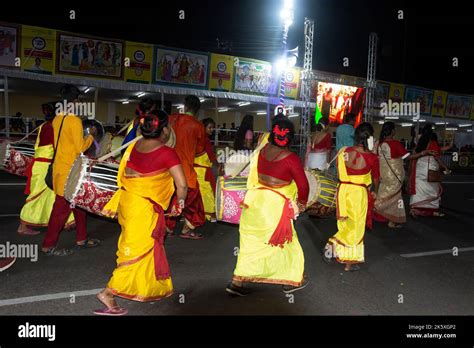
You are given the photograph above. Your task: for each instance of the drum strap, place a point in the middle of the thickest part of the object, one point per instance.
(59, 137)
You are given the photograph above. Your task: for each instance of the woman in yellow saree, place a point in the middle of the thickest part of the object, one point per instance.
(203, 167)
(147, 176)
(277, 190)
(356, 166)
(40, 200)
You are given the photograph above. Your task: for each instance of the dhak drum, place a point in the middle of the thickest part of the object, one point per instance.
(91, 184)
(322, 193)
(230, 193)
(110, 143)
(95, 148)
(15, 158)
(238, 163)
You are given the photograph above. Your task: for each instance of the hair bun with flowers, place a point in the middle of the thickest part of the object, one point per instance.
(280, 135)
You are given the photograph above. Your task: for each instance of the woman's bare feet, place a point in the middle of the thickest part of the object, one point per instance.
(394, 225)
(24, 230)
(106, 297)
(351, 268)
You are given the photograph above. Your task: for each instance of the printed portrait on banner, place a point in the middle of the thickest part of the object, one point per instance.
(254, 76)
(181, 67)
(89, 56)
(458, 106)
(9, 45)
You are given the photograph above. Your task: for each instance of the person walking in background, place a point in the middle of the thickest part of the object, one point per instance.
(244, 135)
(357, 169)
(320, 147)
(388, 205)
(345, 132)
(425, 176)
(203, 165)
(190, 141)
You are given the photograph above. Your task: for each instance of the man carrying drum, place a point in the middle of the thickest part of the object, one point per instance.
(69, 142)
(40, 200)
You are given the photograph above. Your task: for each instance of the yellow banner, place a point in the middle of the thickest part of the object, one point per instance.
(292, 82)
(439, 103)
(141, 60)
(38, 50)
(396, 93)
(221, 72)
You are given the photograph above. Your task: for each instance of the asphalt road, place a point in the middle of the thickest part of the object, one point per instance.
(388, 284)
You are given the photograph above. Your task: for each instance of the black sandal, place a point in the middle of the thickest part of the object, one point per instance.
(354, 268)
(288, 289)
(57, 252)
(88, 243)
(235, 290)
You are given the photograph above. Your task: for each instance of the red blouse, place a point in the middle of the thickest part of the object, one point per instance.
(148, 162)
(46, 136)
(286, 169)
(372, 164)
(434, 146)
(324, 144)
(397, 150)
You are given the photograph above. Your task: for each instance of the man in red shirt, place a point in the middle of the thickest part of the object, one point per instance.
(190, 141)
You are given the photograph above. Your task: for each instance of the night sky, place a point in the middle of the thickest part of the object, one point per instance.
(417, 50)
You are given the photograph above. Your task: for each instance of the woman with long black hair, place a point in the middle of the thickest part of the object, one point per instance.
(244, 135)
(357, 169)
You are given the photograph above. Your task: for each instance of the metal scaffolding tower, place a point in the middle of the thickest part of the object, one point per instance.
(371, 82)
(307, 79)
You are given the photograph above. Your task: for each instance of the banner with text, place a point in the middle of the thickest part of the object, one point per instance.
(221, 72)
(38, 50)
(141, 61)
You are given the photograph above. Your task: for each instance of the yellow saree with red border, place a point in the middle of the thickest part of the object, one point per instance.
(39, 203)
(263, 209)
(202, 164)
(352, 204)
(140, 203)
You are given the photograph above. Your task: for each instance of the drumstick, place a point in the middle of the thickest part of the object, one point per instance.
(238, 170)
(124, 127)
(26, 136)
(117, 151)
